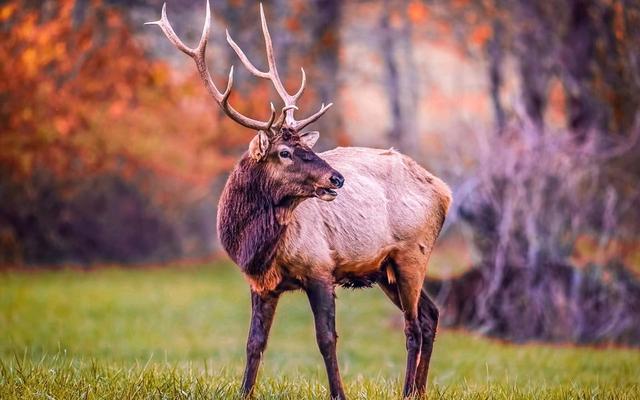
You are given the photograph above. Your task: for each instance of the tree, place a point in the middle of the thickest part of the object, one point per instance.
(401, 78)
(87, 119)
(537, 190)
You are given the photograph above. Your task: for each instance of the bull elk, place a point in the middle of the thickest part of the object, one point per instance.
(281, 219)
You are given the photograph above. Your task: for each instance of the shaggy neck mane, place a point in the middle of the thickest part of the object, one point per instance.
(251, 217)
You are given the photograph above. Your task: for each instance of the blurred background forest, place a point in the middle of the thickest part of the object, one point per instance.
(111, 151)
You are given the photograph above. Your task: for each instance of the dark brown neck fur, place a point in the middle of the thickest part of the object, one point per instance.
(251, 216)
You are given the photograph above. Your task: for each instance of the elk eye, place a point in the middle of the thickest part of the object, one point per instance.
(285, 154)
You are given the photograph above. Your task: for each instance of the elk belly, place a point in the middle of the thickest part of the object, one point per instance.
(361, 274)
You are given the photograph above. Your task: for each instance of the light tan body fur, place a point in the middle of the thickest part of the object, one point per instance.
(389, 206)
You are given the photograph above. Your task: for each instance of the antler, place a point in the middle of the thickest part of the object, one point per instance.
(198, 55)
(272, 75)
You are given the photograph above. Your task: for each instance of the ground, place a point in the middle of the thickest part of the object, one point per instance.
(179, 333)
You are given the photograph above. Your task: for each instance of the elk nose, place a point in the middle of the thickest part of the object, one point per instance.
(337, 180)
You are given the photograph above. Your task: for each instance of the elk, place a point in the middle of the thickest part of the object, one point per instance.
(283, 222)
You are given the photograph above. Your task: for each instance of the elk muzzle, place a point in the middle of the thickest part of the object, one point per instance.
(328, 193)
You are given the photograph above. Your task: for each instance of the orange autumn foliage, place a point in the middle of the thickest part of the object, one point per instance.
(55, 75)
(417, 12)
(84, 98)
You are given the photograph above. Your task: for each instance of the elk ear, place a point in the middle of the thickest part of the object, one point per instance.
(309, 138)
(259, 146)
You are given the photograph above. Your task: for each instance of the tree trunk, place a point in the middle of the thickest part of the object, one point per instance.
(401, 93)
(533, 47)
(325, 28)
(582, 111)
(495, 54)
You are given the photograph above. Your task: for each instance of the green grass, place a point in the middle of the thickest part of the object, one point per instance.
(180, 333)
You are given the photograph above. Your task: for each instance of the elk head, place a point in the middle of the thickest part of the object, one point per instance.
(281, 147)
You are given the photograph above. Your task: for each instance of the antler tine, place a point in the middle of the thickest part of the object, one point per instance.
(198, 55)
(272, 74)
(298, 125)
(273, 68)
(283, 114)
(271, 119)
(304, 82)
(166, 27)
(245, 59)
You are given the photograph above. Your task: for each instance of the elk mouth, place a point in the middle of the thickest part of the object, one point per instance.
(325, 194)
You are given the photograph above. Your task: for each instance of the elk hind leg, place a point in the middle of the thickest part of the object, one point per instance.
(409, 268)
(428, 316)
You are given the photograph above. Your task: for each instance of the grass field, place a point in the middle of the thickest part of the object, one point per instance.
(180, 332)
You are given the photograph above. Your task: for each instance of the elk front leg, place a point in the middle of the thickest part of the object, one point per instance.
(322, 300)
(263, 309)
